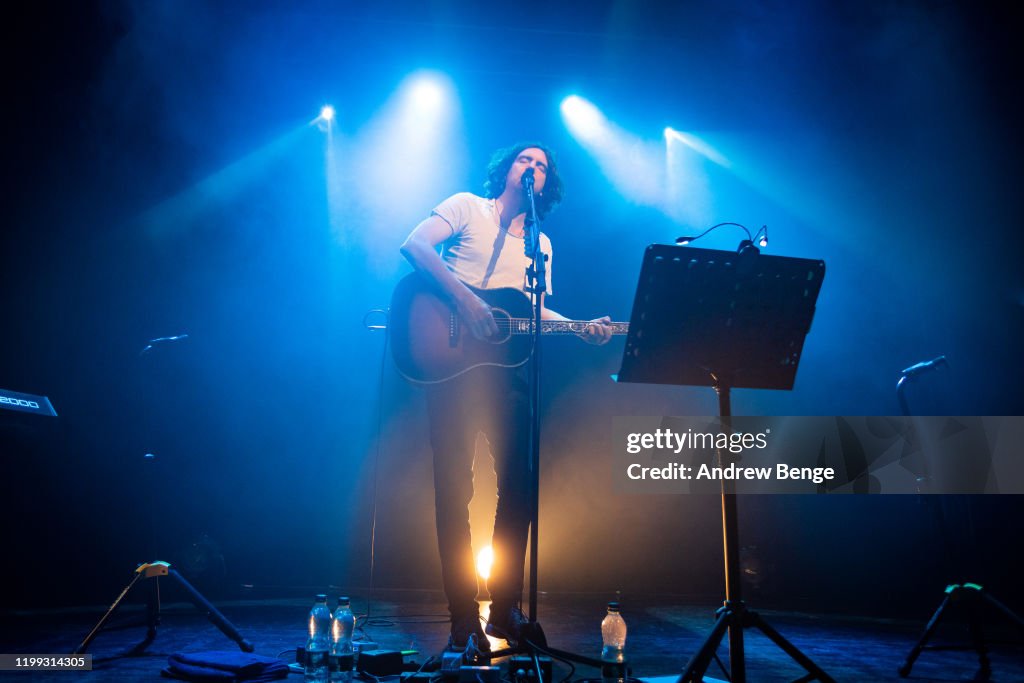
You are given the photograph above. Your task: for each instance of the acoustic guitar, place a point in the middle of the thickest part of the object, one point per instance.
(430, 343)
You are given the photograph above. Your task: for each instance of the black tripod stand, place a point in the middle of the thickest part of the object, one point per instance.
(727, 320)
(154, 570)
(968, 597)
(157, 569)
(733, 616)
(972, 598)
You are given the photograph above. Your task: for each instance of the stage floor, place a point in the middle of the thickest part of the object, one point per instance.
(662, 637)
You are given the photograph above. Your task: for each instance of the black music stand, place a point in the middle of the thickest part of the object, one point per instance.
(727, 320)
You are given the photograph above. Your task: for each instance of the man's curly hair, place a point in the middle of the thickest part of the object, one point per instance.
(501, 162)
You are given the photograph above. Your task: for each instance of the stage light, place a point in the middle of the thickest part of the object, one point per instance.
(485, 614)
(412, 148)
(696, 144)
(324, 120)
(635, 166)
(222, 187)
(584, 120)
(426, 93)
(484, 562)
(688, 197)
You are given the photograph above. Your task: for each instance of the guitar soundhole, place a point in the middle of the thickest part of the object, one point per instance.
(504, 321)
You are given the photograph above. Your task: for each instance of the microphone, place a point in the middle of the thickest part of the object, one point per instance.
(527, 179)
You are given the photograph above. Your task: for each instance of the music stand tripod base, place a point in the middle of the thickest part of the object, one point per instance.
(155, 570)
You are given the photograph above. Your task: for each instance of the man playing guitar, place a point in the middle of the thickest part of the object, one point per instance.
(481, 241)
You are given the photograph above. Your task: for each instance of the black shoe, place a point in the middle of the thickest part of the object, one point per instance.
(509, 623)
(462, 629)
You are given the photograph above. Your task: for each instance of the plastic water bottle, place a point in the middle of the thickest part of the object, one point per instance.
(613, 633)
(319, 643)
(343, 625)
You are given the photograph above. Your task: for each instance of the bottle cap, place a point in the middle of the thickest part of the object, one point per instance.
(343, 601)
(613, 606)
(321, 597)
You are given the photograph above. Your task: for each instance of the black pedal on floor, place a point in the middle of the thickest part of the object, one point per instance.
(525, 664)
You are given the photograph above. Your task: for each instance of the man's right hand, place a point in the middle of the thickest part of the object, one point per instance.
(476, 314)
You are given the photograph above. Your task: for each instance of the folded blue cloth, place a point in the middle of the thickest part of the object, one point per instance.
(224, 666)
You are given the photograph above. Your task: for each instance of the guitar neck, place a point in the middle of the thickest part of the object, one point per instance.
(523, 325)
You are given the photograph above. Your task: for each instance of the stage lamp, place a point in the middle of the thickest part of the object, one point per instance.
(426, 93)
(484, 562)
(324, 120)
(581, 116)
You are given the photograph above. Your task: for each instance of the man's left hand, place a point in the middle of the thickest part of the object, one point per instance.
(598, 332)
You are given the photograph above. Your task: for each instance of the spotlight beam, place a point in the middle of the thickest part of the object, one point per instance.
(697, 145)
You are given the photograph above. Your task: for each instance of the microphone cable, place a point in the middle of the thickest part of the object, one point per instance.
(376, 456)
(367, 620)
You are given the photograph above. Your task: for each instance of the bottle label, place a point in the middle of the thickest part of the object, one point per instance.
(343, 662)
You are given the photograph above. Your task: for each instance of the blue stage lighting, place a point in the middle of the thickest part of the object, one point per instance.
(636, 167)
(426, 93)
(696, 144)
(420, 125)
(582, 117)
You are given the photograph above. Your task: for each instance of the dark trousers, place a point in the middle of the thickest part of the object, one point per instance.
(493, 401)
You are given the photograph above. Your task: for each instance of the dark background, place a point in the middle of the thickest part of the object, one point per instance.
(162, 178)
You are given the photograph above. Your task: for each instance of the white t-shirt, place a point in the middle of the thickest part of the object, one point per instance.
(479, 252)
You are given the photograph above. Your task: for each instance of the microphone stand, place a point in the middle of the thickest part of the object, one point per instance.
(532, 640)
(971, 597)
(159, 568)
(536, 278)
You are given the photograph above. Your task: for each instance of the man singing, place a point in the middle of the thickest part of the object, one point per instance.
(482, 244)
